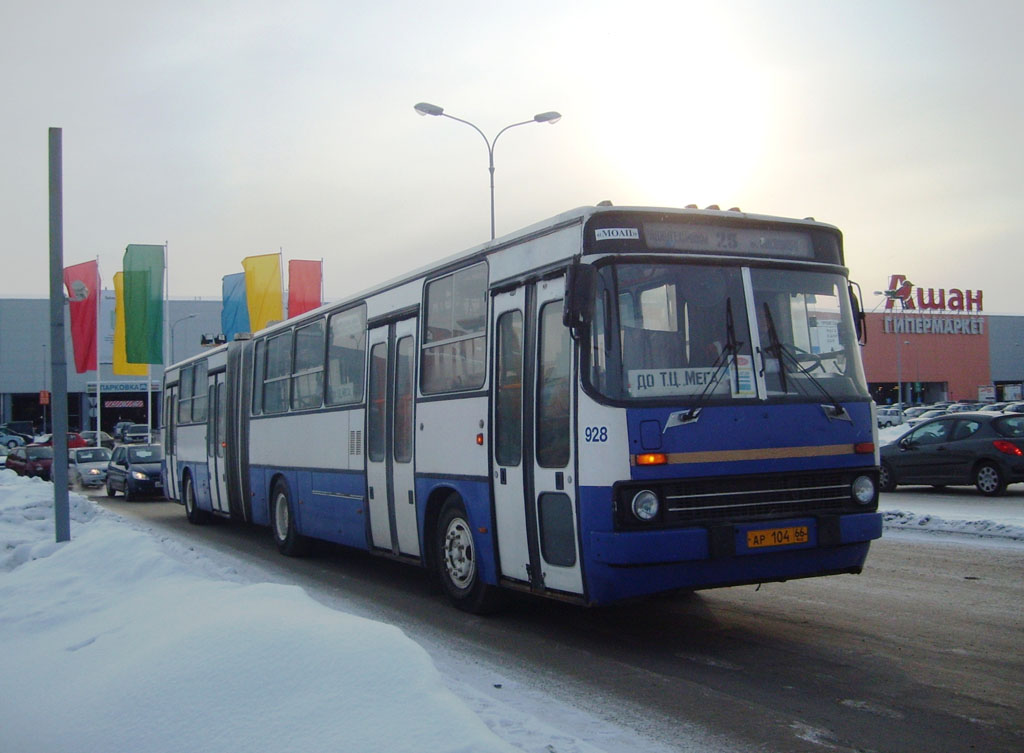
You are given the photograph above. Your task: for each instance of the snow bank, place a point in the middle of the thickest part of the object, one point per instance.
(108, 643)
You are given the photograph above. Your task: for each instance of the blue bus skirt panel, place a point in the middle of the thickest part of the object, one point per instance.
(200, 474)
(476, 496)
(328, 505)
(624, 564)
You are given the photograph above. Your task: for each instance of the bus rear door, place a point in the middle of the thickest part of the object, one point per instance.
(216, 436)
(389, 437)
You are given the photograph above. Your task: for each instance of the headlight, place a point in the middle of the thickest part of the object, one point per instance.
(94, 471)
(645, 505)
(863, 490)
(139, 476)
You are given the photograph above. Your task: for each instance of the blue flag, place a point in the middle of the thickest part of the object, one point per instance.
(234, 314)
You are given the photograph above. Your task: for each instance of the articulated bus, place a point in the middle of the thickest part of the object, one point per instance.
(614, 403)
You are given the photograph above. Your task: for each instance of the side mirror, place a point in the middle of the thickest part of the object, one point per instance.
(859, 317)
(578, 305)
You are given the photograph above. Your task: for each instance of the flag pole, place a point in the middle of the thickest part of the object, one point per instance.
(99, 367)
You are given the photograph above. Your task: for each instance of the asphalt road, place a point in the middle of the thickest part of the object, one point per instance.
(920, 653)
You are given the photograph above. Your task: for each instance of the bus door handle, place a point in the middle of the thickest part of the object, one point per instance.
(371, 492)
(502, 479)
(559, 480)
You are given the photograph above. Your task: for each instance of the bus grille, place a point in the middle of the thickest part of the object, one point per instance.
(736, 498)
(716, 499)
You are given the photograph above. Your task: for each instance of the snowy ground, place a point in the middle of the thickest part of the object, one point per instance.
(122, 640)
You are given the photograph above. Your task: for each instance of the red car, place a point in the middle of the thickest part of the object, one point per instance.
(31, 460)
(74, 440)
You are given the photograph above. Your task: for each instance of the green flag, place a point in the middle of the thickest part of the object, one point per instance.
(143, 304)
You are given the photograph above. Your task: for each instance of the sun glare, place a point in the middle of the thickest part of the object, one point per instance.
(693, 112)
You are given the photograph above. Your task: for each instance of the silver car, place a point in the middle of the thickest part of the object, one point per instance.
(87, 467)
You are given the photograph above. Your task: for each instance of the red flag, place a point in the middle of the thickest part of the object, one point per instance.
(83, 284)
(303, 286)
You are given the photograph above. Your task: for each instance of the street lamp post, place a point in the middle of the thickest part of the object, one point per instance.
(176, 323)
(425, 108)
(899, 294)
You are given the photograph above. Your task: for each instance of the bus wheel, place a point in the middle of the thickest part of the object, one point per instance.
(456, 563)
(195, 516)
(282, 521)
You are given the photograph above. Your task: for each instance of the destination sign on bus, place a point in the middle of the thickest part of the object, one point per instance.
(729, 240)
(694, 381)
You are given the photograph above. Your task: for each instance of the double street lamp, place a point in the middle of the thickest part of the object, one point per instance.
(173, 326)
(425, 108)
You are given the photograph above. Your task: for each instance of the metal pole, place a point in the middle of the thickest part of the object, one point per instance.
(99, 366)
(59, 470)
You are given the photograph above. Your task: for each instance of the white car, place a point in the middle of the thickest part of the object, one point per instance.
(889, 417)
(87, 467)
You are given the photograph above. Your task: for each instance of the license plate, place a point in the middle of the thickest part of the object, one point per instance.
(777, 537)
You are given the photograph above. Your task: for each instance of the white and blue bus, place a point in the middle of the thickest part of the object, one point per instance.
(613, 403)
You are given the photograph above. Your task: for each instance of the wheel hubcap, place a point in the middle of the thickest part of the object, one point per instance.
(988, 479)
(458, 553)
(281, 517)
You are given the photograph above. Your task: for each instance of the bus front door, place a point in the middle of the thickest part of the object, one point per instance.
(390, 421)
(533, 448)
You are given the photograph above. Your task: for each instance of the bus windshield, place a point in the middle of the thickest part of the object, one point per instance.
(686, 331)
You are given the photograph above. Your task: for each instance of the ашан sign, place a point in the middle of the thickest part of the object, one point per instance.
(954, 299)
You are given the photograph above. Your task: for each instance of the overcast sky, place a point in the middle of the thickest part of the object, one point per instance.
(228, 129)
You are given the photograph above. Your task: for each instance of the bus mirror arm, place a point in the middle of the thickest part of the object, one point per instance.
(578, 304)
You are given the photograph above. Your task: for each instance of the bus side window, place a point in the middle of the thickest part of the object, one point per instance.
(346, 350)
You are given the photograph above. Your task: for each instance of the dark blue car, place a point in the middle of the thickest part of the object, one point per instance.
(135, 470)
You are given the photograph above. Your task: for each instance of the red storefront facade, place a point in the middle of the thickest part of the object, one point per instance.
(934, 356)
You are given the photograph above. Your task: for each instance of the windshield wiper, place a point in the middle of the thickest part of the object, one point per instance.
(722, 362)
(835, 409)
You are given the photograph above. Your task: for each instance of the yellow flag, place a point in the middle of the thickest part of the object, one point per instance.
(121, 365)
(263, 289)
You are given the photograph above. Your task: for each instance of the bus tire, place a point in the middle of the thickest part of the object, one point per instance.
(282, 523)
(455, 561)
(188, 495)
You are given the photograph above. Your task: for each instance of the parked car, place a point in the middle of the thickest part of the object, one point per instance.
(963, 407)
(136, 434)
(984, 449)
(915, 411)
(31, 460)
(18, 431)
(74, 440)
(3, 455)
(105, 439)
(11, 441)
(934, 413)
(119, 429)
(1014, 408)
(888, 417)
(87, 467)
(135, 471)
(993, 407)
